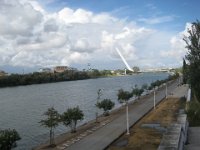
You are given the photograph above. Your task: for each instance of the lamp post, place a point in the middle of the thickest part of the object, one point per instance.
(166, 90)
(127, 119)
(154, 98)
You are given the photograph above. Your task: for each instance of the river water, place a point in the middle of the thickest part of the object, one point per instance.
(22, 107)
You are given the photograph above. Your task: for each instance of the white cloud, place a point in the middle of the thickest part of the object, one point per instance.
(157, 20)
(30, 36)
(17, 19)
(177, 49)
(78, 16)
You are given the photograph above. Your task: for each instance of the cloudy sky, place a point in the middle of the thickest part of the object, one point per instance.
(46, 33)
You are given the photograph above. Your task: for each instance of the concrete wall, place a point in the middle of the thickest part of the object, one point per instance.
(176, 135)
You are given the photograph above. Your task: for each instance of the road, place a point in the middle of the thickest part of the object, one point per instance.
(104, 136)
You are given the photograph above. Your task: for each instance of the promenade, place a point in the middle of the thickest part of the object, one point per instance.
(101, 137)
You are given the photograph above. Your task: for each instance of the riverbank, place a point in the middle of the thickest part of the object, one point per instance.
(88, 129)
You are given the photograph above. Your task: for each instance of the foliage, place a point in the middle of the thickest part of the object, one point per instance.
(71, 116)
(137, 92)
(193, 113)
(160, 82)
(136, 69)
(145, 86)
(8, 139)
(43, 77)
(124, 96)
(193, 56)
(51, 122)
(107, 105)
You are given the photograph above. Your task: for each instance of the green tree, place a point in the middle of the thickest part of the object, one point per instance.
(137, 92)
(193, 113)
(106, 105)
(51, 122)
(99, 94)
(136, 69)
(71, 116)
(145, 86)
(193, 56)
(8, 139)
(123, 97)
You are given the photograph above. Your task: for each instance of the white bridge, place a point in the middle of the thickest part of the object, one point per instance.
(124, 60)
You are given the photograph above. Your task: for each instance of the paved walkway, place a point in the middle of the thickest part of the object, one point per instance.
(107, 133)
(193, 139)
(180, 91)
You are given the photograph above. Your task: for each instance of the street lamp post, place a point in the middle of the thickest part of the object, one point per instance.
(166, 90)
(154, 98)
(127, 119)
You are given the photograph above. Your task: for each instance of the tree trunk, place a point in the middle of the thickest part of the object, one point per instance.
(50, 136)
(75, 122)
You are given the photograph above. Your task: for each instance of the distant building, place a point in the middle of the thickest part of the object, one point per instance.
(60, 69)
(112, 71)
(3, 73)
(46, 70)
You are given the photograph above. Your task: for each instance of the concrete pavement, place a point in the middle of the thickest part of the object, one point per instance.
(101, 138)
(193, 139)
(180, 91)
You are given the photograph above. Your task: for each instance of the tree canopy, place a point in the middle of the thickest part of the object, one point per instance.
(124, 96)
(193, 56)
(71, 116)
(137, 92)
(8, 139)
(106, 105)
(136, 69)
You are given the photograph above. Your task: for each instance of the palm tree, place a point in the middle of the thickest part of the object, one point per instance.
(71, 116)
(51, 122)
(123, 97)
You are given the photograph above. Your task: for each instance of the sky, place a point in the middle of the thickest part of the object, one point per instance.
(46, 33)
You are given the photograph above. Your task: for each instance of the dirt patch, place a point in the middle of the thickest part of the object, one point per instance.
(147, 133)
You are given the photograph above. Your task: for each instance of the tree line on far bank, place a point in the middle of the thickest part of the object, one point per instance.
(39, 77)
(44, 77)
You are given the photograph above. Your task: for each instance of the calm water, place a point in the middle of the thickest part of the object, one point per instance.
(22, 107)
